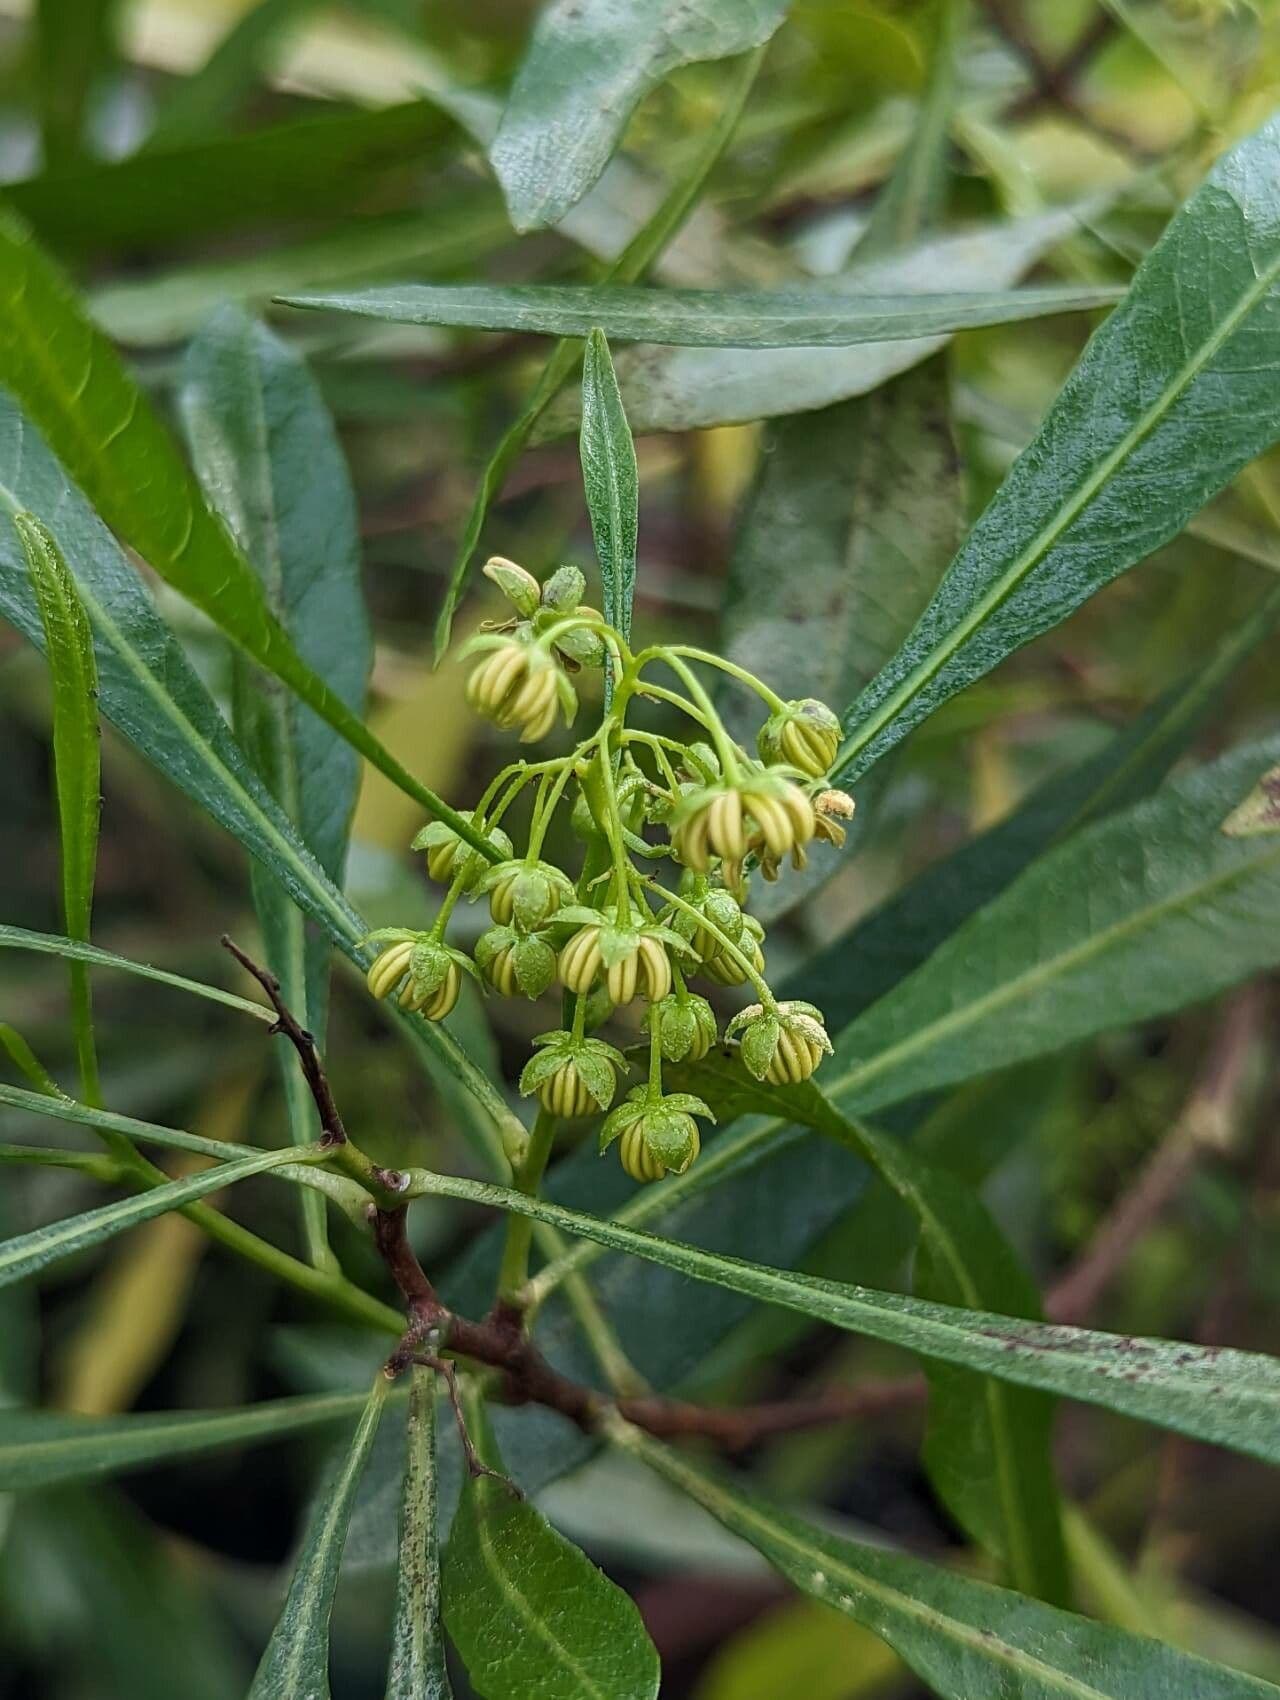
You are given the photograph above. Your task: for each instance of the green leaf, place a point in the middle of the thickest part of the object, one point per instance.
(295, 1665)
(27, 1254)
(40, 1449)
(632, 263)
(266, 454)
(73, 43)
(587, 68)
(73, 385)
(1148, 910)
(318, 166)
(707, 318)
(1229, 1397)
(862, 965)
(68, 647)
(148, 689)
(611, 482)
(28, 1063)
(417, 1667)
(962, 1638)
(1110, 475)
(680, 389)
(530, 1615)
(51, 944)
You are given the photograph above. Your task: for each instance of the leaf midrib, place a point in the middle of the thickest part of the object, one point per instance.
(1044, 540)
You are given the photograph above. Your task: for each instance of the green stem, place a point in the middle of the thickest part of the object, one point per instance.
(712, 721)
(654, 1092)
(514, 1269)
(749, 679)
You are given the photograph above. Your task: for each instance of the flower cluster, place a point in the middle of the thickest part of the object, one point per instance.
(610, 933)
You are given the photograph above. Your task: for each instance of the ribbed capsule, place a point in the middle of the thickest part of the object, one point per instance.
(389, 967)
(727, 969)
(794, 1060)
(803, 735)
(565, 1093)
(437, 1004)
(637, 1159)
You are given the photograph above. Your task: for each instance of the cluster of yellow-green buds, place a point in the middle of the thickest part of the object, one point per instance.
(614, 932)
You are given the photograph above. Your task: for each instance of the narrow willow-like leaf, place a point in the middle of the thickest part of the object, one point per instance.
(706, 318)
(76, 761)
(631, 264)
(611, 482)
(586, 69)
(962, 1638)
(417, 1667)
(1149, 910)
(40, 1449)
(28, 1063)
(321, 165)
(74, 950)
(149, 690)
(1229, 1397)
(74, 386)
(528, 1612)
(987, 1446)
(27, 1254)
(1112, 475)
(295, 1665)
(266, 454)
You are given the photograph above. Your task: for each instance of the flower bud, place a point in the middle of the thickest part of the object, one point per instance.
(519, 587)
(686, 1027)
(803, 735)
(572, 1077)
(389, 967)
(564, 590)
(515, 962)
(517, 684)
(718, 909)
(783, 1045)
(443, 848)
(632, 960)
(725, 969)
(526, 893)
(435, 1004)
(655, 1135)
(764, 812)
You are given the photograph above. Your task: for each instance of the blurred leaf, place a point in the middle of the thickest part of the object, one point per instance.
(317, 166)
(1260, 811)
(987, 1447)
(149, 690)
(74, 950)
(417, 1667)
(905, 930)
(805, 1648)
(73, 384)
(1210, 1393)
(198, 105)
(705, 318)
(28, 1063)
(963, 1638)
(265, 452)
(68, 647)
(531, 1616)
(41, 1449)
(73, 42)
(295, 1665)
(611, 483)
(587, 68)
(27, 1254)
(1146, 911)
(680, 389)
(634, 260)
(1108, 480)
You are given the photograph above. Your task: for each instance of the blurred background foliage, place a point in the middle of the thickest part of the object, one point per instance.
(179, 154)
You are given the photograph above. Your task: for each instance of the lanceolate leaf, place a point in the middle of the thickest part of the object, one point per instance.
(40, 1449)
(586, 69)
(76, 760)
(417, 1668)
(612, 485)
(50, 944)
(295, 1665)
(264, 449)
(1116, 470)
(1231, 1398)
(1147, 911)
(529, 1613)
(679, 389)
(27, 1254)
(963, 1638)
(72, 383)
(705, 318)
(151, 693)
